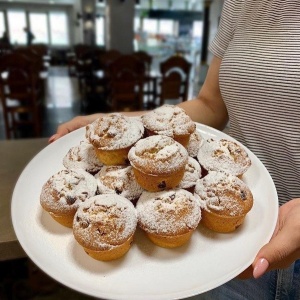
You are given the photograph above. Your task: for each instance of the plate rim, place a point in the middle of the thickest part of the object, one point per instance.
(177, 295)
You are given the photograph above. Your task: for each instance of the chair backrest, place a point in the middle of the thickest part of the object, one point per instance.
(35, 57)
(175, 73)
(127, 78)
(107, 58)
(146, 58)
(19, 91)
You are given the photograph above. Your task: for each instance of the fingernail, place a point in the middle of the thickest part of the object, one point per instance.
(260, 268)
(52, 138)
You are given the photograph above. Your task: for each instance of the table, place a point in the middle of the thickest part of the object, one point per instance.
(14, 156)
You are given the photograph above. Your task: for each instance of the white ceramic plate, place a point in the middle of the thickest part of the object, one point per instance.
(146, 271)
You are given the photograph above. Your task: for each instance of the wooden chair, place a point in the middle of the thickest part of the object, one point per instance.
(126, 83)
(19, 92)
(150, 81)
(175, 72)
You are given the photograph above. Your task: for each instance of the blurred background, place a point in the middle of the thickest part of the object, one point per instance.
(72, 44)
(62, 58)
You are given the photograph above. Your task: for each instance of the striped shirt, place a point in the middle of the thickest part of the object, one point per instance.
(259, 44)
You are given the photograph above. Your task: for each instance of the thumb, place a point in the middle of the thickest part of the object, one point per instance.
(278, 253)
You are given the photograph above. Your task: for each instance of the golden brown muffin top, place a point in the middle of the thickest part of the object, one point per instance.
(169, 120)
(118, 180)
(104, 222)
(224, 155)
(114, 131)
(224, 194)
(158, 154)
(82, 156)
(172, 212)
(65, 190)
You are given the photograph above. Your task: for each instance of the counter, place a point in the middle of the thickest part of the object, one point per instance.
(14, 156)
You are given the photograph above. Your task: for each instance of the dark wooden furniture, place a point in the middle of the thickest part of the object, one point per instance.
(175, 75)
(20, 94)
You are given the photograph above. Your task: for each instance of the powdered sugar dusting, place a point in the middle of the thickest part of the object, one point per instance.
(65, 190)
(195, 142)
(170, 212)
(191, 175)
(158, 155)
(118, 180)
(104, 222)
(114, 131)
(223, 193)
(83, 157)
(223, 155)
(169, 120)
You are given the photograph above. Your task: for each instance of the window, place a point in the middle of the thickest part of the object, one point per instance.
(2, 23)
(150, 25)
(166, 27)
(100, 31)
(137, 24)
(197, 29)
(59, 29)
(38, 26)
(17, 23)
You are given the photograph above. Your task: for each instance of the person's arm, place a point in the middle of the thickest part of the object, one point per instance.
(208, 108)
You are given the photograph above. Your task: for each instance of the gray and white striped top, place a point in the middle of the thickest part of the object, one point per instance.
(259, 43)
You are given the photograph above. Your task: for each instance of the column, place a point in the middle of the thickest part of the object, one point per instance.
(119, 18)
(88, 15)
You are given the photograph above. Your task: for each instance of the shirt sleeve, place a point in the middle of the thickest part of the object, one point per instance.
(229, 16)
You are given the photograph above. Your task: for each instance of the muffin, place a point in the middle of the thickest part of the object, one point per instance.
(119, 180)
(224, 155)
(112, 136)
(168, 218)
(158, 162)
(225, 201)
(195, 142)
(169, 120)
(83, 156)
(104, 226)
(191, 174)
(63, 192)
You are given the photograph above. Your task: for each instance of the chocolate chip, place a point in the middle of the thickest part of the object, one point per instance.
(243, 195)
(84, 224)
(102, 233)
(118, 192)
(162, 185)
(70, 200)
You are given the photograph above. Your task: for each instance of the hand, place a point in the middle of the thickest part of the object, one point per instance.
(72, 125)
(284, 246)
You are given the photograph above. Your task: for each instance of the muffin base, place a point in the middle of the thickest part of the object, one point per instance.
(65, 220)
(113, 157)
(222, 224)
(170, 241)
(112, 254)
(156, 183)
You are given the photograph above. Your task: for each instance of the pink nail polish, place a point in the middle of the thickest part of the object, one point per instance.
(260, 267)
(51, 139)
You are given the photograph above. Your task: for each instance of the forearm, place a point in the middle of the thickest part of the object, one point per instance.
(201, 112)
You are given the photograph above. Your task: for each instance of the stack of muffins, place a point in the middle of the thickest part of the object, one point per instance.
(154, 172)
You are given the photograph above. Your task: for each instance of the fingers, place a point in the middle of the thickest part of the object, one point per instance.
(68, 127)
(284, 247)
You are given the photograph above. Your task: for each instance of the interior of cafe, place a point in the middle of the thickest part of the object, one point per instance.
(63, 58)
